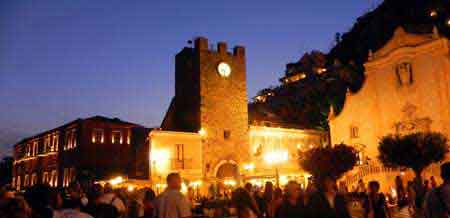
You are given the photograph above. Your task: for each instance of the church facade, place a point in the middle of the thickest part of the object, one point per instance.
(407, 89)
(206, 135)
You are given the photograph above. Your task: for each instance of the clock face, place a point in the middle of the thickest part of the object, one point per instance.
(224, 69)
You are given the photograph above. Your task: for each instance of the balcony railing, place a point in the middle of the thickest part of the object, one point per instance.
(183, 164)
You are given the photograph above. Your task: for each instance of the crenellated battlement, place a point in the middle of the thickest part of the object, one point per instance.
(201, 44)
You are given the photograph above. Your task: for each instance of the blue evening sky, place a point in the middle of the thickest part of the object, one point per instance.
(65, 59)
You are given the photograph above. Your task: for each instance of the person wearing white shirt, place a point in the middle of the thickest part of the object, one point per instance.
(172, 203)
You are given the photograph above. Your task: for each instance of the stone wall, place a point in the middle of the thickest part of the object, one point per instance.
(223, 106)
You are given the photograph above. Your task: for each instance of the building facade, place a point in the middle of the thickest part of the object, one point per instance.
(206, 135)
(102, 146)
(407, 89)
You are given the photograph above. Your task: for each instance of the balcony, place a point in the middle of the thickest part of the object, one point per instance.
(184, 164)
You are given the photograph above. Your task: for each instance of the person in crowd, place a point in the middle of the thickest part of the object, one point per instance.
(111, 198)
(5, 196)
(258, 196)
(249, 187)
(135, 209)
(39, 198)
(361, 188)
(411, 197)
(93, 194)
(277, 199)
(326, 202)
(374, 204)
(243, 203)
(401, 192)
(293, 203)
(15, 208)
(310, 189)
(172, 203)
(269, 204)
(426, 186)
(56, 199)
(72, 210)
(149, 206)
(437, 201)
(343, 188)
(433, 182)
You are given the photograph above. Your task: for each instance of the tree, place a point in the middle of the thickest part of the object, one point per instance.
(415, 151)
(331, 162)
(6, 167)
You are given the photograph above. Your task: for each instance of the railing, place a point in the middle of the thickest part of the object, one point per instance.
(183, 164)
(364, 170)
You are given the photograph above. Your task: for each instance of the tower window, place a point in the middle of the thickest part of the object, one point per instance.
(179, 149)
(226, 134)
(354, 132)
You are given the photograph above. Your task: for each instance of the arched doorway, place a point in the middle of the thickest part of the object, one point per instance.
(227, 170)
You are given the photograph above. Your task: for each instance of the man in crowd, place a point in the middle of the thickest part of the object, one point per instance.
(172, 203)
(437, 201)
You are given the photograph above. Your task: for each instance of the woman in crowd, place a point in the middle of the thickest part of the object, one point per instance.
(374, 204)
(148, 203)
(293, 203)
(326, 202)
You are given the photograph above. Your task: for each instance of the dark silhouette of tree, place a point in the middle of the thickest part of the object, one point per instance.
(415, 151)
(330, 161)
(6, 166)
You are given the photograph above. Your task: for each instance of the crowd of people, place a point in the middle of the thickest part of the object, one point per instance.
(318, 200)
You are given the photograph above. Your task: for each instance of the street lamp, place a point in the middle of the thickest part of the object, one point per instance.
(275, 158)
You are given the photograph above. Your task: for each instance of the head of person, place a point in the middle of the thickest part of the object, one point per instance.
(248, 186)
(38, 197)
(75, 190)
(293, 190)
(445, 172)
(174, 181)
(277, 193)
(241, 199)
(374, 187)
(149, 195)
(95, 192)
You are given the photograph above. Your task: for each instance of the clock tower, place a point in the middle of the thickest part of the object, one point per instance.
(211, 99)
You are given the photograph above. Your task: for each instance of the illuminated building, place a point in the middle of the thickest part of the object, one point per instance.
(102, 146)
(406, 90)
(309, 64)
(206, 134)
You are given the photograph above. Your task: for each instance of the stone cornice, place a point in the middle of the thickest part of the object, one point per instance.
(434, 47)
(173, 133)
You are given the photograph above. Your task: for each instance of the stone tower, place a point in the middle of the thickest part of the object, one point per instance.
(211, 98)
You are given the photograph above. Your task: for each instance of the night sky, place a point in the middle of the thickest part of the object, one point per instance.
(65, 59)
